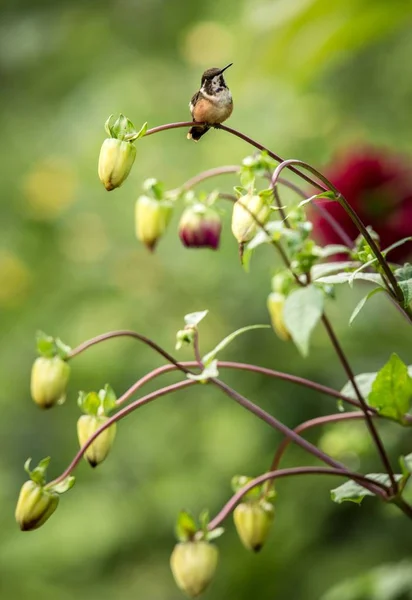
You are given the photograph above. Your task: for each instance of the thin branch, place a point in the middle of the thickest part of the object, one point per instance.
(118, 416)
(378, 488)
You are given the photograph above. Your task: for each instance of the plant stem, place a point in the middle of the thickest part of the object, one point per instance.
(279, 426)
(396, 290)
(345, 363)
(118, 416)
(318, 421)
(227, 169)
(126, 333)
(379, 489)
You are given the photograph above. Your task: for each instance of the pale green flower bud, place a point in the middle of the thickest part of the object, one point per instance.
(115, 161)
(87, 425)
(244, 225)
(275, 304)
(152, 219)
(34, 506)
(49, 378)
(253, 520)
(193, 566)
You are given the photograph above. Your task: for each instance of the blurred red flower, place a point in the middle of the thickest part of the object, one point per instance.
(378, 185)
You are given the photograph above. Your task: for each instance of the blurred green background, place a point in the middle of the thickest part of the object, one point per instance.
(309, 77)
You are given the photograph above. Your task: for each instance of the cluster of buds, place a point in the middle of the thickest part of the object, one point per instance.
(50, 372)
(37, 500)
(118, 153)
(152, 214)
(96, 407)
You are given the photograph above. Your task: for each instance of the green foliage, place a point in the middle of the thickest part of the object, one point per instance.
(302, 311)
(49, 346)
(355, 492)
(392, 389)
(97, 403)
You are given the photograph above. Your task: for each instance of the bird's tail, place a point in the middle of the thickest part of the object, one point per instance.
(195, 133)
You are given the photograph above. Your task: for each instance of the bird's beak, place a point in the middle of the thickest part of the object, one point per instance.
(224, 69)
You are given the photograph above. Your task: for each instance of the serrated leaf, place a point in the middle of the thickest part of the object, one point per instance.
(208, 372)
(194, 319)
(228, 339)
(362, 303)
(392, 390)
(355, 492)
(63, 486)
(302, 310)
(185, 527)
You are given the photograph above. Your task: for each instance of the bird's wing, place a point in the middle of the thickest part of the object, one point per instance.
(193, 101)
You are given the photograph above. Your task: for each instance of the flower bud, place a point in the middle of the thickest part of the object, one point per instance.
(87, 425)
(152, 219)
(193, 565)
(49, 377)
(200, 227)
(253, 520)
(275, 304)
(34, 506)
(246, 212)
(115, 161)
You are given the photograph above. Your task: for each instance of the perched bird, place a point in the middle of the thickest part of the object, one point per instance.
(212, 104)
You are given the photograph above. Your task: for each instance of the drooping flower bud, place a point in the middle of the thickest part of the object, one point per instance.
(200, 227)
(193, 566)
(87, 425)
(115, 161)
(275, 304)
(248, 211)
(49, 377)
(253, 520)
(38, 500)
(34, 506)
(152, 219)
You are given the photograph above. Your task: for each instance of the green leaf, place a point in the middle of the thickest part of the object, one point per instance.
(239, 481)
(406, 287)
(226, 341)
(348, 277)
(392, 390)
(320, 270)
(327, 194)
(62, 349)
(63, 486)
(215, 533)
(45, 344)
(155, 187)
(186, 527)
(89, 403)
(107, 399)
(362, 303)
(108, 127)
(38, 475)
(363, 381)
(194, 319)
(354, 492)
(332, 249)
(208, 372)
(302, 310)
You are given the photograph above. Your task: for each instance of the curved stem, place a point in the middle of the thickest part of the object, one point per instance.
(318, 421)
(126, 333)
(118, 416)
(375, 436)
(278, 425)
(354, 217)
(378, 489)
(227, 169)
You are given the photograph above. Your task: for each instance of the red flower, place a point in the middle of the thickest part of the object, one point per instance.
(378, 186)
(200, 227)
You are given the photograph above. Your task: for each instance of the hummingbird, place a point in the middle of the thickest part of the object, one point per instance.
(212, 104)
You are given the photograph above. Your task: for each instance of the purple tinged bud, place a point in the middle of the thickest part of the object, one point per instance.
(200, 227)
